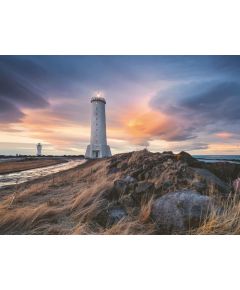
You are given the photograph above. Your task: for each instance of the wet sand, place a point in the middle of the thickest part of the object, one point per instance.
(16, 178)
(20, 165)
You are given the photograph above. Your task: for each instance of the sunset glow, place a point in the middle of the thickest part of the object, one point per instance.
(166, 103)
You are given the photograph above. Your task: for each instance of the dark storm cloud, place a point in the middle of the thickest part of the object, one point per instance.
(202, 106)
(17, 88)
(9, 112)
(219, 102)
(17, 92)
(25, 66)
(211, 100)
(212, 95)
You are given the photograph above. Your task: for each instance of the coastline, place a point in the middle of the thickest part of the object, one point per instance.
(14, 166)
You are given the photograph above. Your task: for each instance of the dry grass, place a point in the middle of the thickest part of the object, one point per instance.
(70, 202)
(223, 220)
(15, 166)
(57, 204)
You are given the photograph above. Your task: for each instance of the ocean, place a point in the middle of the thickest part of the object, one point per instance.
(218, 158)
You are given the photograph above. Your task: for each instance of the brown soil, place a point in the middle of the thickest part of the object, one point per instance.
(16, 166)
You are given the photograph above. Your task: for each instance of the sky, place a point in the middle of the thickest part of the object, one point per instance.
(163, 103)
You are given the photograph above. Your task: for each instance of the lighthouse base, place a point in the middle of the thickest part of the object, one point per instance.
(98, 151)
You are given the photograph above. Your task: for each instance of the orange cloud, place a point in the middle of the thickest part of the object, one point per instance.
(155, 125)
(224, 135)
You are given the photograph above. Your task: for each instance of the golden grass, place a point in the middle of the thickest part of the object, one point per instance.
(223, 219)
(70, 202)
(58, 204)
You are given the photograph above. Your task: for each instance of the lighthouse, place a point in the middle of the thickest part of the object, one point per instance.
(98, 147)
(39, 149)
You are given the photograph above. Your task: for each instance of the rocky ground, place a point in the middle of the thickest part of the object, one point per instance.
(133, 193)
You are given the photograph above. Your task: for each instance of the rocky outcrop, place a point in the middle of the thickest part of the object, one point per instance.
(182, 188)
(208, 181)
(169, 172)
(187, 158)
(177, 212)
(143, 191)
(226, 171)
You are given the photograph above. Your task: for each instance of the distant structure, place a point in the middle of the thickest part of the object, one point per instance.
(39, 149)
(98, 147)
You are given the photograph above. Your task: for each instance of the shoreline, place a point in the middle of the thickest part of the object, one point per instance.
(14, 166)
(40, 181)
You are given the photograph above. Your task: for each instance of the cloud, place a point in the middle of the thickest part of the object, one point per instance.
(9, 112)
(220, 101)
(201, 106)
(156, 125)
(16, 91)
(190, 147)
(50, 95)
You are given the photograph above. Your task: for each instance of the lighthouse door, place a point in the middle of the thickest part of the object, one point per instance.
(95, 153)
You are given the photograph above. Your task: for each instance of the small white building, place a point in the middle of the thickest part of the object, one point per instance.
(98, 147)
(39, 149)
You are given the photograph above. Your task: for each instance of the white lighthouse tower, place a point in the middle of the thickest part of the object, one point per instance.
(39, 149)
(98, 147)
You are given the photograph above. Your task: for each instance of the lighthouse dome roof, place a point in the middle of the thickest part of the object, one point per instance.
(98, 99)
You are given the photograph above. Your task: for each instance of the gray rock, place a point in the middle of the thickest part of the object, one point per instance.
(110, 215)
(129, 179)
(115, 214)
(210, 179)
(177, 212)
(199, 186)
(120, 186)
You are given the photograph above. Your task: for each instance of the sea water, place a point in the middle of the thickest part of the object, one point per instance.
(218, 158)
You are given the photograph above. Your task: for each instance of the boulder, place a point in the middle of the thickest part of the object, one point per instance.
(187, 158)
(226, 171)
(177, 212)
(110, 215)
(211, 180)
(199, 186)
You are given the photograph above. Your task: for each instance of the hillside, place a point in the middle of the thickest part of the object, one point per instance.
(132, 193)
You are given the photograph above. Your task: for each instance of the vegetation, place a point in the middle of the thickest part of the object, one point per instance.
(92, 198)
